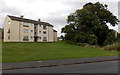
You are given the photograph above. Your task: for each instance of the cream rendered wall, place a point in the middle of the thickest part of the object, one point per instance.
(50, 34)
(29, 34)
(44, 35)
(40, 28)
(6, 27)
(31, 27)
(14, 30)
(55, 36)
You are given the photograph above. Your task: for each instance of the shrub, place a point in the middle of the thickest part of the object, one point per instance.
(92, 39)
(114, 46)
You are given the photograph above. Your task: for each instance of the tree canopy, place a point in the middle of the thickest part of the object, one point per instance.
(89, 24)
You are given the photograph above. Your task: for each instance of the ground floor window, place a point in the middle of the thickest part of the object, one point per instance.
(31, 37)
(25, 38)
(44, 38)
(8, 37)
(39, 37)
(44, 32)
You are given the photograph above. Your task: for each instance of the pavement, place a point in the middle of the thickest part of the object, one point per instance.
(52, 63)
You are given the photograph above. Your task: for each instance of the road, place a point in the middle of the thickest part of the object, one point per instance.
(98, 67)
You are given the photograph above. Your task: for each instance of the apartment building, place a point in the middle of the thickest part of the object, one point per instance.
(20, 29)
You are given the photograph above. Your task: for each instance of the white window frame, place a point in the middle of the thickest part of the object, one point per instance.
(31, 31)
(44, 38)
(44, 32)
(25, 30)
(9, 22)
(25, 37)
(25, 24)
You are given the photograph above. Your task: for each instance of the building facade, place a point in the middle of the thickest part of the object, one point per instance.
(19, 29)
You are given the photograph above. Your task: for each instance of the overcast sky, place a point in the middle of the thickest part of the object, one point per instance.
(52, 11)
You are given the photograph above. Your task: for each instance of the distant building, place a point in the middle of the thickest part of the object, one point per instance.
(19, 29)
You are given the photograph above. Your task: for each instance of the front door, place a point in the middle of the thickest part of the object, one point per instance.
(35, 39)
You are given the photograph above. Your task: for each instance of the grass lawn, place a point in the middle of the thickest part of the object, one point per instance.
(0, 50)
(16, 52)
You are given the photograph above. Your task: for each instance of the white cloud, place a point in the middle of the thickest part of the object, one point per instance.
(52, 11)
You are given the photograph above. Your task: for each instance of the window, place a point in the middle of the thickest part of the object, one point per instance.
(26, 24)
(8, 22)
(39, 37)
(35, 33)
(25, 30)
(8, 37)
(8, 31)
(39, 31)
(35, 28)
(31, 37)
(44, 32)
(44, 27)
(44, 39)
(30, 24)
(25, 38)
(31, 30)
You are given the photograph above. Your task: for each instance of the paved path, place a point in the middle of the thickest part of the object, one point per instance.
(97, 67)
(49, 63)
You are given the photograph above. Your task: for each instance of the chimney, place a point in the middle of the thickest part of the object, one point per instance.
(21, 16)
(38, 20)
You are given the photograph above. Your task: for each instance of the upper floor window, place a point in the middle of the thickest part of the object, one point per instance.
(31, 24)
(44, 27)
(25, 31)
(8, 31)
(39, 25)
(39, 31)
(8, 22)
(26, 24)
(31, 30)
(35, 27)
(44, 32)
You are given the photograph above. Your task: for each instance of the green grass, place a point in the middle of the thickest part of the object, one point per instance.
(0, 51)
(17, 52)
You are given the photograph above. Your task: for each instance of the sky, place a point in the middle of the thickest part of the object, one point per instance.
(54, 12)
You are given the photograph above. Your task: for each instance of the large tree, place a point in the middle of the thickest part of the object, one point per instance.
(92, 19)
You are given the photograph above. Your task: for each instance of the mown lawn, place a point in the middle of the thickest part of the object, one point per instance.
(17, 52)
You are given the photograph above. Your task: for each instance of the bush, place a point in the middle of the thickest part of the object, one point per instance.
(92, 39)
(114, 46)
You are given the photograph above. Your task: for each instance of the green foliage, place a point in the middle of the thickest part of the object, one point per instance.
(82, 38)
(110, 39)
(92, 39)
(89, 24)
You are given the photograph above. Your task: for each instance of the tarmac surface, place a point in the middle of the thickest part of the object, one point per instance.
(53, 63)
(97, 67)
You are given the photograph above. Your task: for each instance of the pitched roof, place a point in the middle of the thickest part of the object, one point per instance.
(54, 30)
(28, 20)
